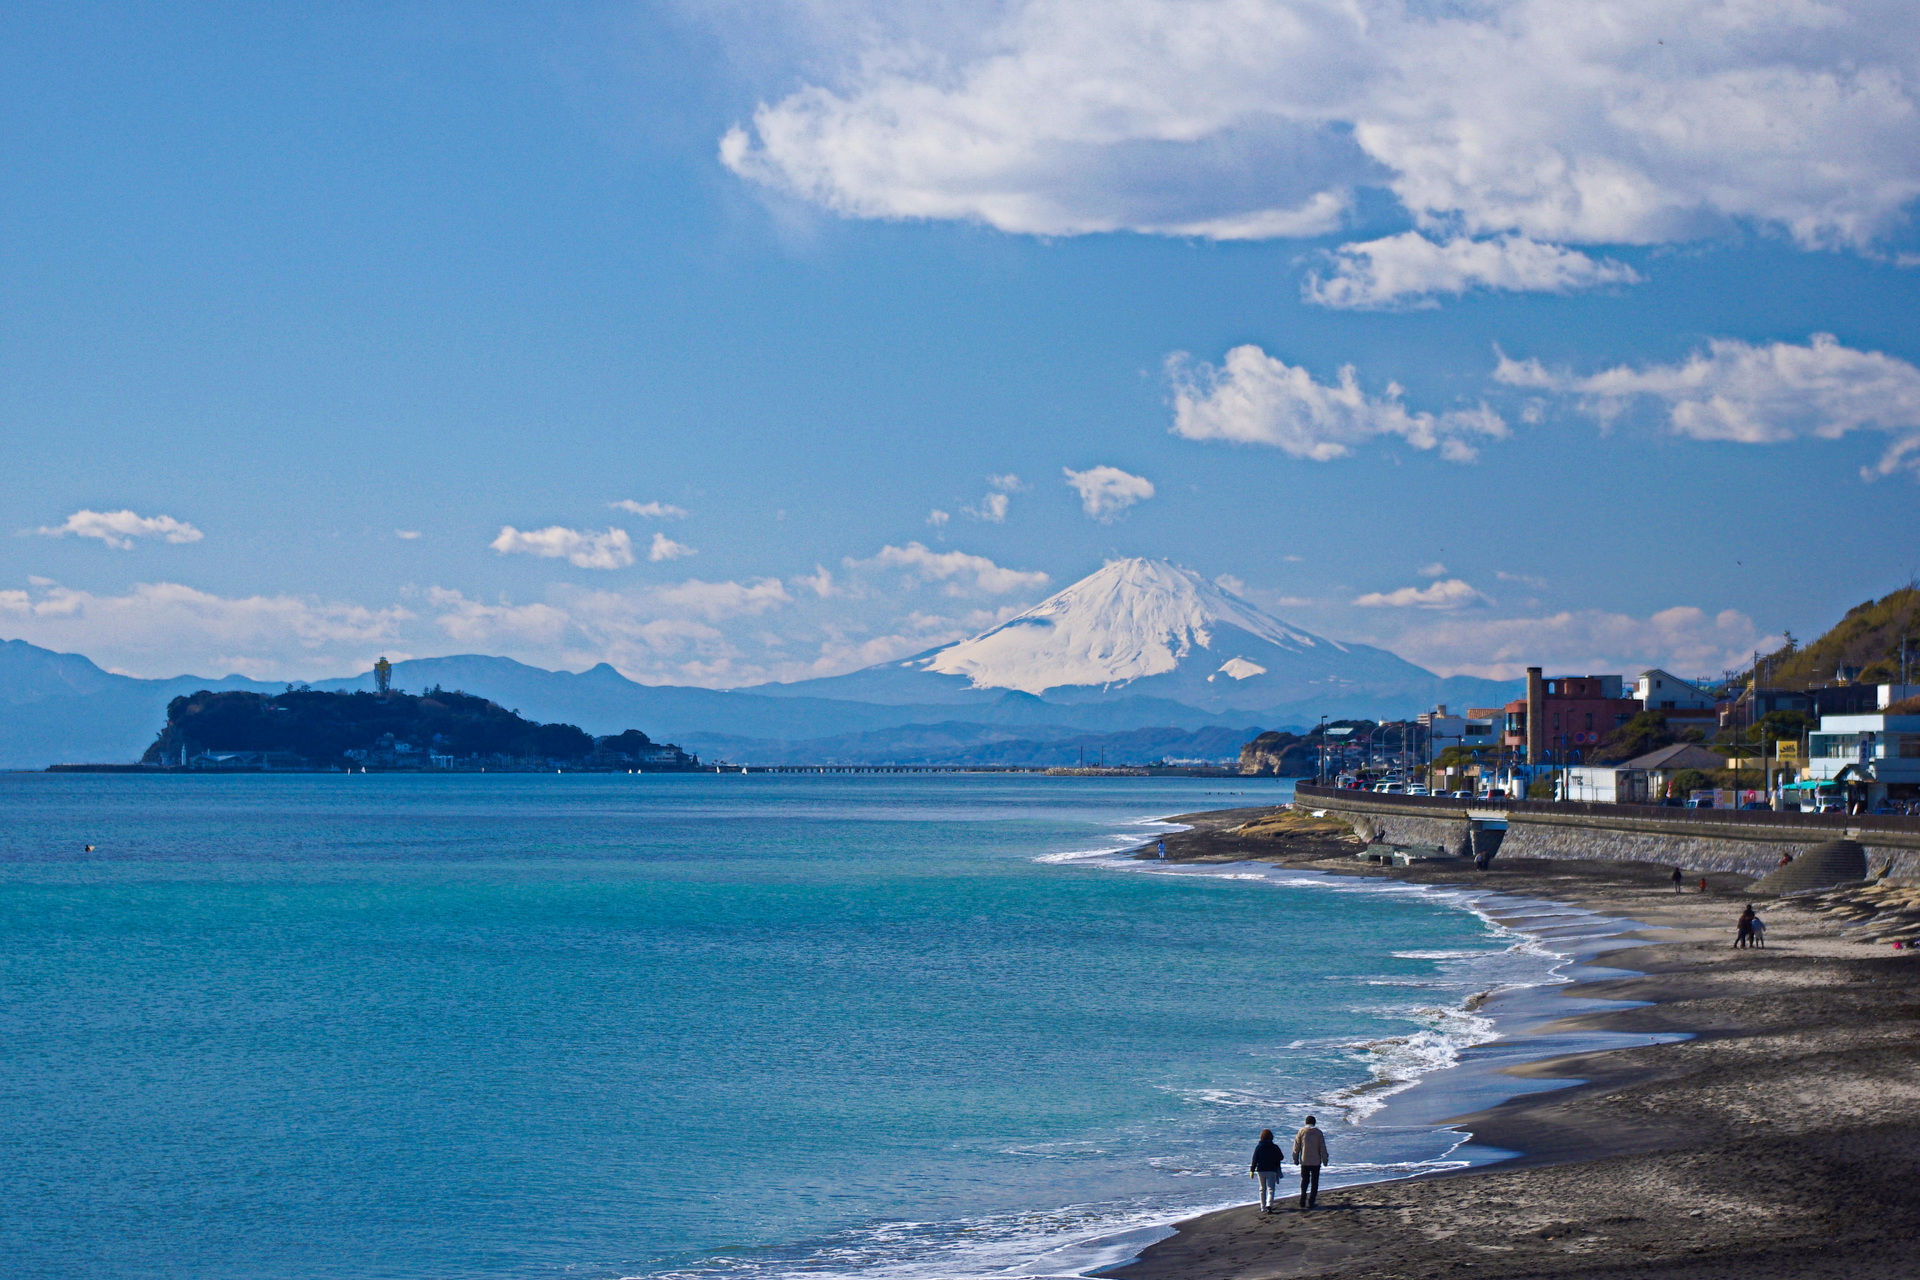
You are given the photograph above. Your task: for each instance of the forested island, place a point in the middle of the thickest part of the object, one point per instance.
(438, 729)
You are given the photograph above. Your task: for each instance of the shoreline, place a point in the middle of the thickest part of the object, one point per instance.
(1763, 1126)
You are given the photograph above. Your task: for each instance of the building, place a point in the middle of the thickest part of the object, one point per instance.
(1477, 728)
(1658, 690)
(1562, 717)
(247, 760)
(1875, 757)
(1641, 780)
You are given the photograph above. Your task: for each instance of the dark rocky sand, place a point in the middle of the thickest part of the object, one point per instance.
(1782, 1139)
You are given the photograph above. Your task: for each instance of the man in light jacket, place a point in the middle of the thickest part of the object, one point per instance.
(1309, 1152)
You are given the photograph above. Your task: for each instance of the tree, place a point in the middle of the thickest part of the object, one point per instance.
(1687, 781)
(1646, 732)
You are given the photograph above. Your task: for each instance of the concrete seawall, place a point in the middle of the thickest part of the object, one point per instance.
(1710, 839)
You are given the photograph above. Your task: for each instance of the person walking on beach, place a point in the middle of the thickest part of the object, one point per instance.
(1266, 1167)
(1309, 1152)
(1756, 931)
(1677, 886)
(1745, 935)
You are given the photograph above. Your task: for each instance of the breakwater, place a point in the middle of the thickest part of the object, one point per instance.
(1750, 841)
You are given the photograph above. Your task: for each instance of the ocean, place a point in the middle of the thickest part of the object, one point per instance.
(701, 1026)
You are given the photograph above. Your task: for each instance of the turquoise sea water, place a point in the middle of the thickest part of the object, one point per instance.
(598, 1026)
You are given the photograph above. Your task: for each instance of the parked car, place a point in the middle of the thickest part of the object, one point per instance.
(1460, 795)
(1416, 789)
(1494, 793)
(1700, 804)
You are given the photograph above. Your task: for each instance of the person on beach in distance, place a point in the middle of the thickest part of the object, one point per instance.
(1266, 1167)
(1309, 1152)
(1677, 887)
(1745, 935)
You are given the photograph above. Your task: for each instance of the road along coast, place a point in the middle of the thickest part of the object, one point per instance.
(1778, 1139)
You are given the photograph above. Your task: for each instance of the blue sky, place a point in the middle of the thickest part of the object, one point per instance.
(336, 333)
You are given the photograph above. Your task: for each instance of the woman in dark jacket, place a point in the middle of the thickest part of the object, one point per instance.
(1266, 1167)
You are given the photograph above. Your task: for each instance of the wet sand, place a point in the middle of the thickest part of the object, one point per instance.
(1778, 1140)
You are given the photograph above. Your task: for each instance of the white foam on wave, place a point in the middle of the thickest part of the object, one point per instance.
(1118, 842)
(1395, 1064)
(1065, 1242)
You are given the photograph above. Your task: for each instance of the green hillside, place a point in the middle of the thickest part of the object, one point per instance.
(1867, 639)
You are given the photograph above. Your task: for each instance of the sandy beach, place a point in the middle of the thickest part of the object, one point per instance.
(1778, 1139)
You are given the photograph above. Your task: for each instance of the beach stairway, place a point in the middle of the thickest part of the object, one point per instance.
(1835, 862)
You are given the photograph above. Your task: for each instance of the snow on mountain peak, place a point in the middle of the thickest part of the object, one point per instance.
(1132, 619)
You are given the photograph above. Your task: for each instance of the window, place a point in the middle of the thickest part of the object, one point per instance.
(1589, 719)
(1910, 747)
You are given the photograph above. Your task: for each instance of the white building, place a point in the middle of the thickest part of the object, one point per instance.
(1877, 757)
(1642, 780)
(1474, 729)
(1660, 690)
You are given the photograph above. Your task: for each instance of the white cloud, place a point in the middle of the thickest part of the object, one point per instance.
(716, 601)
(651, 510)
(665, 548)
(406, 535)
(165, 629)
(1227, 582)
(1008, 483)
(1752, 394)
(820, 582)
(1684, 639)
(1105, 492)
(471, 622)
(1602, 122)
(1434, 570)
(120, 528)
(955, 568)
(1450, 594)
(1409, 269)
(992, 508)
(1525, 579)
(610, 550)
(1255, 398)
(938, 518)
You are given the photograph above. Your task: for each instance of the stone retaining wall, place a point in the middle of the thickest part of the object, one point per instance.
(1746, 842)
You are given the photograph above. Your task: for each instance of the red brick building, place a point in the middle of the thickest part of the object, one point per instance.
(1565, 714)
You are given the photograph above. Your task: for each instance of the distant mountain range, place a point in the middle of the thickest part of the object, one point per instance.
(1143, 658)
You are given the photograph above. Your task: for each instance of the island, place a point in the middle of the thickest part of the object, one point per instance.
(447, 730)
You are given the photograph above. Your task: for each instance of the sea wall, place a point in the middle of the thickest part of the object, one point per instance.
(1709, 840)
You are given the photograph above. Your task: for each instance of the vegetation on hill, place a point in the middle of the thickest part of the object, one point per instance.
(1867, 640)
(1279, 755)
(349, 728)
(1646, 732)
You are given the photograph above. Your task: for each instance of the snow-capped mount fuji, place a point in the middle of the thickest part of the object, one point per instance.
(1150, 629)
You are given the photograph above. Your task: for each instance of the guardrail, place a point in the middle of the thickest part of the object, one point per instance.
(1838, 823)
